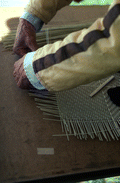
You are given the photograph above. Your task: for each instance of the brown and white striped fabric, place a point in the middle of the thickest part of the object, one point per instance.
(83, 56)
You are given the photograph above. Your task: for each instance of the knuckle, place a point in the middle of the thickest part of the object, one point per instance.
(15, 50)
(23, 83)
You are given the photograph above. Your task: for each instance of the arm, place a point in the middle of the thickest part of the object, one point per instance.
(35, 21)
(83, 56)
(36, 14)
(45, 10)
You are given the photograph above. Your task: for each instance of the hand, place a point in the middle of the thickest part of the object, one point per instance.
(25, 38)
(20, 75)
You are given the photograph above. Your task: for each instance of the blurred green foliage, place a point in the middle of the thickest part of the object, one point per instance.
(92, 2)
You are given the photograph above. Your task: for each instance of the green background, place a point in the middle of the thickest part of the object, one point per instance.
(92, 2)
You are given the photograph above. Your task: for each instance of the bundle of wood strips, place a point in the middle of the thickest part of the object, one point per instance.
(45, 36)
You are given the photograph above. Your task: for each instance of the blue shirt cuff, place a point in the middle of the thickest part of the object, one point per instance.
(35, 21)
(28, 66)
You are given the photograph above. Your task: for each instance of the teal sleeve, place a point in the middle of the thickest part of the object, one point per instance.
(28, 66)
(35, 21)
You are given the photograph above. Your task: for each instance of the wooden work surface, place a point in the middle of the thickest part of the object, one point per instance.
(23, 130)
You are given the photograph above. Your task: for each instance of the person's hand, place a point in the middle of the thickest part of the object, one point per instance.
(20, 75)
(25, 38)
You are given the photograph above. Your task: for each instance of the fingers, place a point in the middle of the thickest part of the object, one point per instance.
(31, 45)
(20, 74)
(21, 51)
(17, 72)
(23, 83)
(25, 38)
(19, 68)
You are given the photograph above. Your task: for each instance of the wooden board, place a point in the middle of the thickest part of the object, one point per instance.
(23, 130)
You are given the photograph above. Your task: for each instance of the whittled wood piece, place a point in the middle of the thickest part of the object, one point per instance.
(101, 86)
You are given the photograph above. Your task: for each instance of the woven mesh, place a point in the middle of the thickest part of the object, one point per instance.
(82, 115)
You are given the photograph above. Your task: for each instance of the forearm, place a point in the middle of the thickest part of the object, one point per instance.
(45, 10)
(38, 12)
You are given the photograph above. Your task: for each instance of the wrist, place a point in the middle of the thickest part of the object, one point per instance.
(32, 19)
(26, 23)
(28, 67)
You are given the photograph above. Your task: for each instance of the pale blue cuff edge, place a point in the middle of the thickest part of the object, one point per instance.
(28, 66)
(35, 21)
